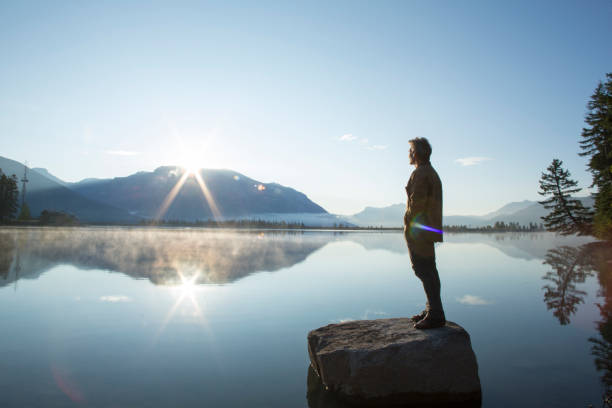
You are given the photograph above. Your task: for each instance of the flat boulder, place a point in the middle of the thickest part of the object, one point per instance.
(387, 362)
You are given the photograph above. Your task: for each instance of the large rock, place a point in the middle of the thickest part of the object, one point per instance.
(389, 362)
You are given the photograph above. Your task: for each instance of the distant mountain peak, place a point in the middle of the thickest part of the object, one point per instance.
(228, 192)
(44, 172)
(510, 208)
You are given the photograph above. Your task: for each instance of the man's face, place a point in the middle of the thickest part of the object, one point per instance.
(412, 155)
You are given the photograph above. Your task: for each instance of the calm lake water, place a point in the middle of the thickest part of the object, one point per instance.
(114, 317)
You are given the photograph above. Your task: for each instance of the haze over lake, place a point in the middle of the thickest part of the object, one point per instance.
(192, 317)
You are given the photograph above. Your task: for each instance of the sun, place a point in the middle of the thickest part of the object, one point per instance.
(192, 170)
(191, 164)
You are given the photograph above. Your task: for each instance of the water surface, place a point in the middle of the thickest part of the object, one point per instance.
(120, 317)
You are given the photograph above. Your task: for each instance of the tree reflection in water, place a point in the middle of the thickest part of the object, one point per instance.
(7, 249)
(600, 256)
(571, 266)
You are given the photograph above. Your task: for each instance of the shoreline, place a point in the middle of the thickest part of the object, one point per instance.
(451, 230)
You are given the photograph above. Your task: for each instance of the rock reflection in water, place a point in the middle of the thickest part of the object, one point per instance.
(155, 254)
(319, 397)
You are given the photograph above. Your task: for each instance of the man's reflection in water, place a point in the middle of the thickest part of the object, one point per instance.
(571, 266)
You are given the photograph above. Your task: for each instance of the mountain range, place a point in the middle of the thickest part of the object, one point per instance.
(45, 193)
(522, 212)
(223, 194)
(231, 195)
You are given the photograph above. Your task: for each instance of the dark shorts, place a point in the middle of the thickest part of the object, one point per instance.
(422, 256)
(419, 248)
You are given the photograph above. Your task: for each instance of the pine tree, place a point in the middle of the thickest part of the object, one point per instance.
(596, 144)
(24, 214)
(568, 215)
(9, 196)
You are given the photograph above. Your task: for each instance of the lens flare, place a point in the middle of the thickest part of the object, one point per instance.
(415, 225)
(426, 228)
(67, 386)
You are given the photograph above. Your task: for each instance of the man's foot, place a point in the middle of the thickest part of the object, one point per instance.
(419, 317)
(432, 320)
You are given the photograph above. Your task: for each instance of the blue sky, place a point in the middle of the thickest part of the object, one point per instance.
(319, 96)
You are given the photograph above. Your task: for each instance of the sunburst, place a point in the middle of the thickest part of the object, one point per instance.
(192, 171)
(186, 290)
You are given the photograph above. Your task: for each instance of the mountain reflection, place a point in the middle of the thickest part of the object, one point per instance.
(220, 256)
(159, 255)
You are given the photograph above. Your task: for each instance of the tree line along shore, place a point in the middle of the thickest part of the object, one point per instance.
(59, 219)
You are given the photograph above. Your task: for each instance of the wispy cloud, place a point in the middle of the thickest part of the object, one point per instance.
(471, 161)
(368, 314)
(347, 137)
(344, 320)
(121, 153)
(473, 300)
(378, 147)
(115, 298)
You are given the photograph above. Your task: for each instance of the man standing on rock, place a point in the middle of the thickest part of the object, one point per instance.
(422, 228)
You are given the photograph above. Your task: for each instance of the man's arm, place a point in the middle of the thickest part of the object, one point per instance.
(406, 218)
(417, 197)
